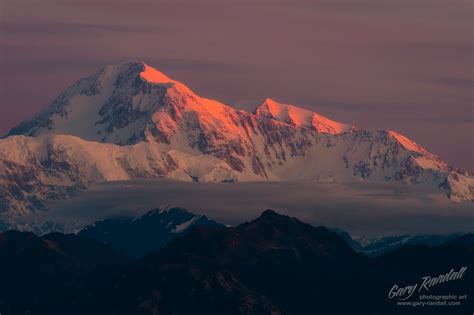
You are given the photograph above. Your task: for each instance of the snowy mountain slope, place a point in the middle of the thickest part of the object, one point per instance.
(300, 117)
(131, 102)
(49, 167)
(131, 121)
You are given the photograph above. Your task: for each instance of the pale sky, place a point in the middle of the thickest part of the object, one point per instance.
(405, 65)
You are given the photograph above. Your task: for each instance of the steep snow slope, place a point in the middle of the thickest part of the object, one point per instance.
(132, 121)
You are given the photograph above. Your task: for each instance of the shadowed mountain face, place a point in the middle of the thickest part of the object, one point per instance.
(277, 264)
(54, 272)
(264, 266)
(151, 231)
(272, 265)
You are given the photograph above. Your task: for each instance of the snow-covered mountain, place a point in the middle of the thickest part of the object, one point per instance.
(138, 236)
(131, 121)
(377, 246)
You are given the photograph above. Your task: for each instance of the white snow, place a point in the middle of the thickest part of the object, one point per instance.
(300, 117)
(183, 226)
(279, 142)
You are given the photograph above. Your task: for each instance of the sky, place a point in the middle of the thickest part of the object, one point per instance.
(404, 65)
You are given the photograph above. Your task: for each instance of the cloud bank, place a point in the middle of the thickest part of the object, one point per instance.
(362, 209)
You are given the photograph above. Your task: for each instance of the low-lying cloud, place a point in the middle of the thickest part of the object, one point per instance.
(362, 209)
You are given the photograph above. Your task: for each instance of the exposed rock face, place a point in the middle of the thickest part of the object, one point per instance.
(131, 121)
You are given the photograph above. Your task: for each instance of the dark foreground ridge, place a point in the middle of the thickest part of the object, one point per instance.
(274, 264)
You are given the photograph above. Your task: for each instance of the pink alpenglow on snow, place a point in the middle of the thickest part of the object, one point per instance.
(300, 117)
(130, 121)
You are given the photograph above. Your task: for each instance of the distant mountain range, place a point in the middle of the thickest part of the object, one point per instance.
(131, 121)
(274, 264)
(378, 246)
(139, 236)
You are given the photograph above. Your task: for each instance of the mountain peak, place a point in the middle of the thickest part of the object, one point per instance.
(137, 68)
(300, 117)
(151, 126)
(151, 231)
(152, 75)
(272, 218)
(165, 210)
(269, 213)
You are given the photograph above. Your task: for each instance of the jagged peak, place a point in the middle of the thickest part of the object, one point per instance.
(133, 66)
(153, 75)
(270, 215)
(269, 107)
(300, 117)
(138, 68)
(165, 209)
(284, 223)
